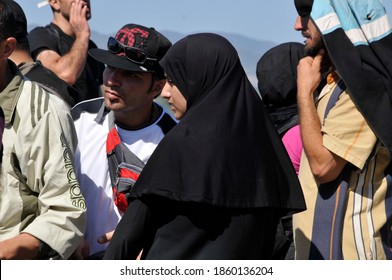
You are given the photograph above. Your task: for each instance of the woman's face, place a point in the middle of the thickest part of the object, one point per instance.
(175, 99)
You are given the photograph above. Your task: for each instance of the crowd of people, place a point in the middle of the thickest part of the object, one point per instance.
(92, 167)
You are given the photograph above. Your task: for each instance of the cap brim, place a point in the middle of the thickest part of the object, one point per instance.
(116, 61)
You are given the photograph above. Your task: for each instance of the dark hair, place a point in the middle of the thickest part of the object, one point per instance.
(22, 44)
(7, 22)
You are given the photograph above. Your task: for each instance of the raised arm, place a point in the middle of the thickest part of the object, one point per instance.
(69, 66)
(325, 165)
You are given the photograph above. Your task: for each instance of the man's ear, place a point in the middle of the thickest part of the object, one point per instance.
(157, 87)
(9, 47)
(54, 4)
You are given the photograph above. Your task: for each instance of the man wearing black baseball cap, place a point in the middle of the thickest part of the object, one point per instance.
(126, 116)
(142, 47)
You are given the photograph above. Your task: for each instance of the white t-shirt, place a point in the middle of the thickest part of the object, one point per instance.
(92, 164)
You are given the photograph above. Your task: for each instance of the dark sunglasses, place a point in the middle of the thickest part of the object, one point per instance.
(133, 54)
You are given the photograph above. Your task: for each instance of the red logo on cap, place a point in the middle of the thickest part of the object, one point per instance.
(134, 37)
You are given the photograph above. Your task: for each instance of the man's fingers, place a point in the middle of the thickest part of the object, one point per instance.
(319, 57)
(105, 238)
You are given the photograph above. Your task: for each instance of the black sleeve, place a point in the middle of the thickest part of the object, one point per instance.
(40, 39)
(130, 235)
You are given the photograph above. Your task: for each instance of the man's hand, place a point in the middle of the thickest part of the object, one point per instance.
(70, 65)
(81, 252)
(78, 19)
(325, 165)
(309, 73)
(105, 238)
(21, 247)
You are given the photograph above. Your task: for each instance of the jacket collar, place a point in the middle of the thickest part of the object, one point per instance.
(10, 95)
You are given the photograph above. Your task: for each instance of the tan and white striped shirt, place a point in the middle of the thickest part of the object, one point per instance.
(348, 220)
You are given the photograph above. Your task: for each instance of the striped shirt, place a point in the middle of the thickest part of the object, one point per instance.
(350, 218)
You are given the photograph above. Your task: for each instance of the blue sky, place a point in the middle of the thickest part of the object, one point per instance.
(270, 20)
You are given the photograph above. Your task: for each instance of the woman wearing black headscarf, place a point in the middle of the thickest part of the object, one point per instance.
(218, 182)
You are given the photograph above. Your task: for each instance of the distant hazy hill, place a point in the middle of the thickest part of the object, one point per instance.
(250, 50)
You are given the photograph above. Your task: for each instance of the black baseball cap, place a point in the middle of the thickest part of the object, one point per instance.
(134, 48)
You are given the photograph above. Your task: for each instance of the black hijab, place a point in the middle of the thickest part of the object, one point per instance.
(225, 151)
(276, 72)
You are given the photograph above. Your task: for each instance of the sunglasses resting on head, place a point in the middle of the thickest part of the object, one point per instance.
(131, 53)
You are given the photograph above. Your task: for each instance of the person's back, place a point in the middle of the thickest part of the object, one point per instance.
(36, 72)
(276, 72)
(62, 47)
(39, 194)
(26, 152)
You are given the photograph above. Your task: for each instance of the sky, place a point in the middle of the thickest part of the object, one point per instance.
(265, 20)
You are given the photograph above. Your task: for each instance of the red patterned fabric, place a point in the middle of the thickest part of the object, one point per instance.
(121, 171)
